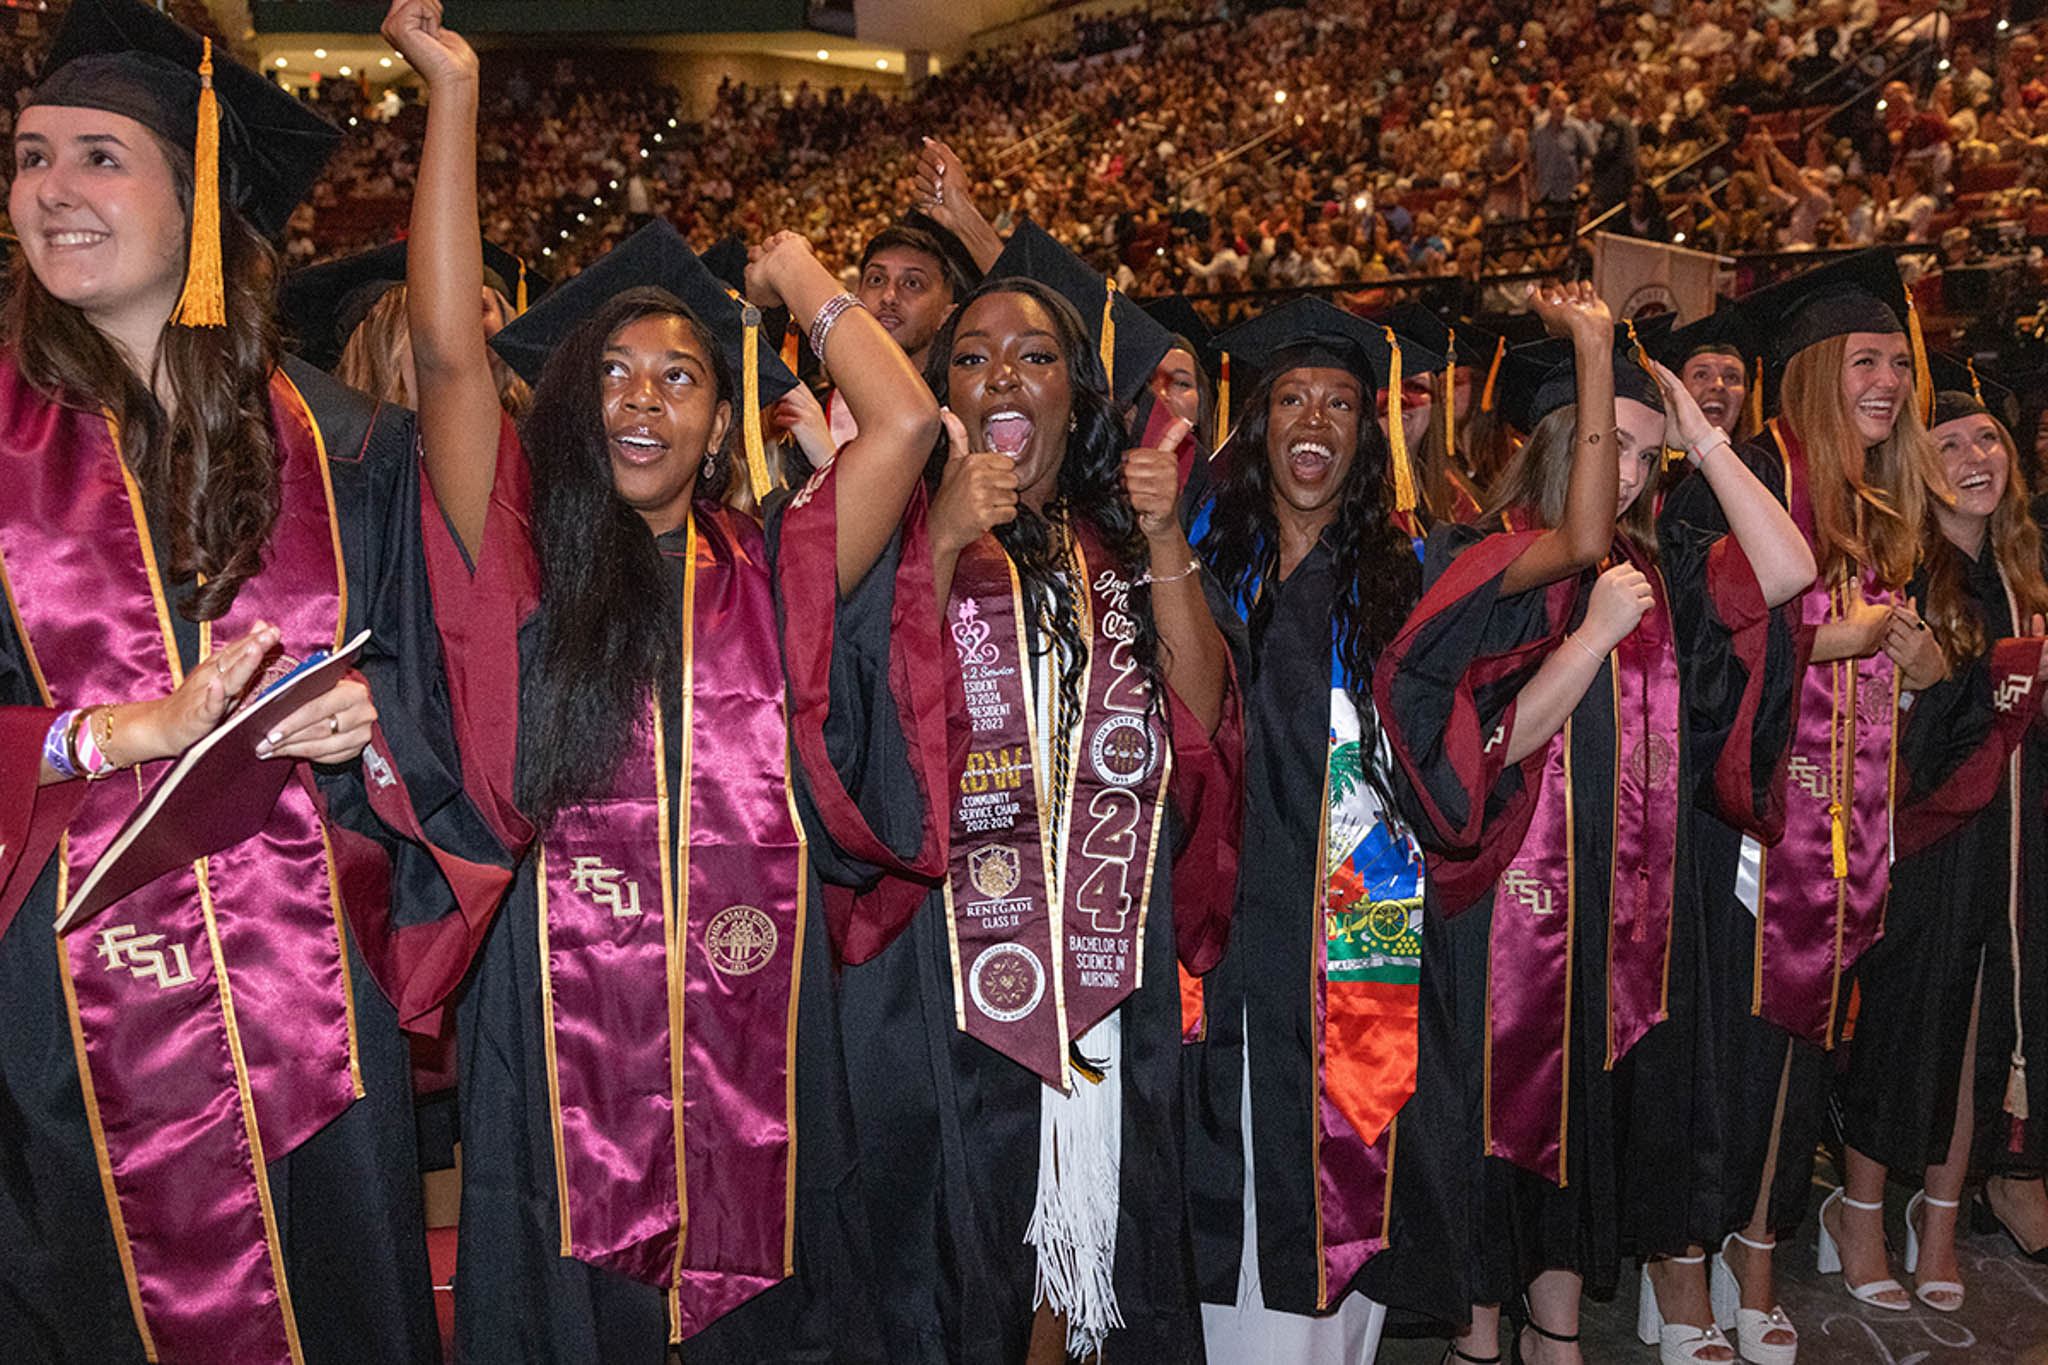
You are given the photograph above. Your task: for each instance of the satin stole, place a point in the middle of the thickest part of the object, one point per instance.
(1047, 933)
(1531, 937)
(210, 1011)
(671, 944)
(1818, 895)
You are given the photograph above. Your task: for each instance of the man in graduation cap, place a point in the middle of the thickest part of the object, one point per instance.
(1848, 453)
(211, 1145)
(652, 1089)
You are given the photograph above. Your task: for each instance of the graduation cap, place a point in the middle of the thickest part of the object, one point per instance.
(1314, 332)
(253, 143)
(657, 257)
(1860, 293)
(324, 304)
(1542, 376)
(1131, 342)
(727, 259)
(1726, 331)
(1177, 314)
(1455, 343)
(1962, 390)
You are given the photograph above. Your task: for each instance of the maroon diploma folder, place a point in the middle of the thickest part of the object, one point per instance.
(216, 795)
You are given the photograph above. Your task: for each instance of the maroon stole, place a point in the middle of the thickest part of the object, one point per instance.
(1042, 953)
(1819, 898)
(210, 1011)
(670, 992)
(1536, 903)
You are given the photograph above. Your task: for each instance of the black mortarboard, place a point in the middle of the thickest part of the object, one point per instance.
(323, 304)
(1860, 293)
(126, 58)
(1541, 377)
(1139, 342)
(1452, 341)
(1963, 389)
(727, 260)
(1726, 331)
(1313, 332)
(657, 257)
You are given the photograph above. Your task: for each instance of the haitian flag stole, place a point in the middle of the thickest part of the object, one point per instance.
(1369, 973)
(1818, 895)
(1532, 935)
(671, 942)
(1054, 835)
(210, 1011)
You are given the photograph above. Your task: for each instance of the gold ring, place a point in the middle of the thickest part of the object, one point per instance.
(334, 725)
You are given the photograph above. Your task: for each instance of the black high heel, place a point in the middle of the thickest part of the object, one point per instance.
(1528, 1320)
(1451, 1352)
(1984, 1219)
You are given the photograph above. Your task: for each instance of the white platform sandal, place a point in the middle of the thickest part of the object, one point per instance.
(1750, 1325)
(1677, 1343)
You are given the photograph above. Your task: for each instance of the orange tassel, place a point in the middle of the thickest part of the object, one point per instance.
(1450, 387)
(1109, 333)
(1500, 350)
(1923, 378)
(204, 302)
(1756, 398)
(1223, 400)
(520, 302)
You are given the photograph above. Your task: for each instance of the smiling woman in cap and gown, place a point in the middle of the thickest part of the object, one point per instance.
(1849, 456)
(1556, 735)
(1946, 979)
(653, 1102)
(1307, 1053)
(208, 1151)
(1013, 1036)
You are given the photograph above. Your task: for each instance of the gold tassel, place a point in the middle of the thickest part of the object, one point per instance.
(1397, 435)
(1923, 378)
(2016, 1088)
(1636, 345)
(1450, 387)
(1109, 334)
(1500, 350)
(204, 302)
(1756, 398)
(520, 302)
(1976, 385)
(1838, 840)
(1223, 400)
(750, 403)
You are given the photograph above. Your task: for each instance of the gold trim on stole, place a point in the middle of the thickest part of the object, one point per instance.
(675, 905)
(1319, 947)
(547, 1033)
(1571, 935)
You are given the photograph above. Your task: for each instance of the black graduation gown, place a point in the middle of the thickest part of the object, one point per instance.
(947, 1135)
(1643, 1137)
(1946, 918)
(1750, 1053)
(1256, 998)
(517, 1298)
(347, 1201)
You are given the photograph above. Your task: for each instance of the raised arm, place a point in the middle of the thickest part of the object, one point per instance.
(1191, 648)
(1587, 530)
(897, 415)
(1769, 537)
(444, 276)
(944, 192)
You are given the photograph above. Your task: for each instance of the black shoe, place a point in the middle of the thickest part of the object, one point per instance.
(1451, 1352)
(1528, 1320)
(1983, 1219)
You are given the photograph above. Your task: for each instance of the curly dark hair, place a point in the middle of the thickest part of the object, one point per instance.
(1089, 488)
(1378, 579)
(609, 605)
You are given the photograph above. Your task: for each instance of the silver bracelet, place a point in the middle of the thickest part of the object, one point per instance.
(827, 319)
(1596, 658)
(1149, 577)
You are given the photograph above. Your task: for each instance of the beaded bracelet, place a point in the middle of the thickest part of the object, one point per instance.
(1149, 577)
(828, 317)
(57, 745)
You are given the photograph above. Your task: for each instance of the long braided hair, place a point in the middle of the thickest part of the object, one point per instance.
(1089, 487)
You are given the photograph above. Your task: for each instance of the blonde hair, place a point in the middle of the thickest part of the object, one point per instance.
(1872, 516)
(2013, 537)
(374, 359)
(1538, 480)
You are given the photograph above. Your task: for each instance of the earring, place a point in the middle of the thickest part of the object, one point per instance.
(1073, 423)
